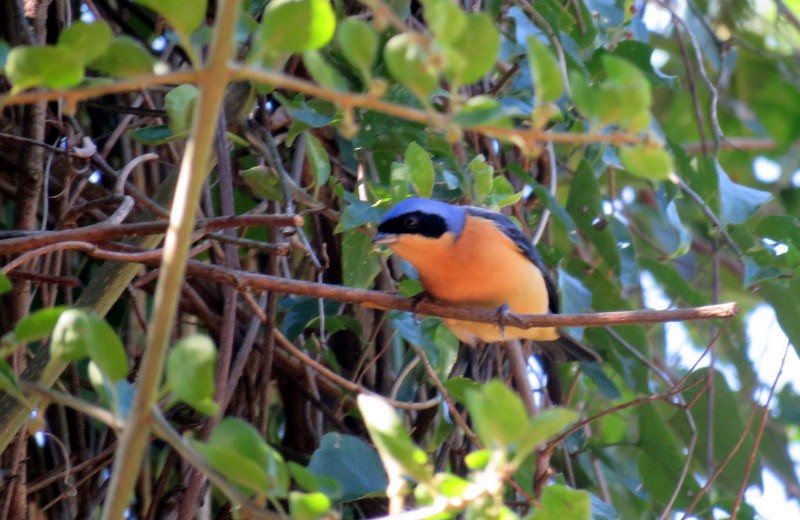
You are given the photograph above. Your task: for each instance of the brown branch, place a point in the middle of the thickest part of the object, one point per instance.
(103, 232)
(382, 300)
(78, 94)
(371, 102)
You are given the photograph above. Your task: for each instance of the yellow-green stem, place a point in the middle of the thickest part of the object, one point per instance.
(212, 80)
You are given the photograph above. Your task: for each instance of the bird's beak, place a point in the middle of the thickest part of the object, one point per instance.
(384, 239)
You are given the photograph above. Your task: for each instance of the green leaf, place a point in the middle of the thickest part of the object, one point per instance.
(410, 64)
(294, 26)
(323, 72)
(9, 382)
(5, 283)
(39, 324)
(583, 94)
(359, 44)
(478, 46)
(548, 423)
(661, 460)
(155, 135)
(264, 182)
(482, 177)
(738, 202)
(237, 450)
(503, 193)
(79, 334)
(646, 161)
(353, 463)
(106, 349)
(784, 296)
(584, 205)
(544, 72)
(313, 483)
(726, 427)
(459, 387)
(180, 103)
(318, 160)
(70, 341)
(125, 57)
(498, 415)
(399, 180)
(46, 66)
(183, 15)
(625, 96)
(191, 368)
(445, 19)
(359, 265)
(420, 169)
(397, 450)
(86, 41)
(482, 110)
(308, 506)
(561, 502)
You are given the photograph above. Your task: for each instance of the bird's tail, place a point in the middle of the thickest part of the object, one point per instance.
(565, 349)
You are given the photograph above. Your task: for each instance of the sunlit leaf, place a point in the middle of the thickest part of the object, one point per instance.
(191, 366)
(79, 333)
(308, 506)
(477, 46)
(318, 160)
(86, 41)
(445, 18)
(646, 161)
(359, 43)
(544, 72)
(294, 26)
(124, 57)
(398, 452)
(38, 324)
(237, 450)
(498, 415)
(46, 66)
(183, 15)
(482, 175)
(323, 72)
(180, 103)
(409, 63)
(420, 169)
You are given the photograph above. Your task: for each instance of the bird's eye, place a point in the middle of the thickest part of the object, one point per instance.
(411, 222)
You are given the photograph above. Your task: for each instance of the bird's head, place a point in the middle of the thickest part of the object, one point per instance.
(416, 227)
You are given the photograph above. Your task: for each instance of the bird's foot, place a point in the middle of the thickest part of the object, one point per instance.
(417, 300)
(502, 316)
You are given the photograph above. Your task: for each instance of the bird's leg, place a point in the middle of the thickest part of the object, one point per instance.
(502, 315)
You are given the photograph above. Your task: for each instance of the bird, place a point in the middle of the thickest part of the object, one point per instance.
(468, 256)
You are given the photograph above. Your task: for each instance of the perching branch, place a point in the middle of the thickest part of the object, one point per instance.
(382, 300)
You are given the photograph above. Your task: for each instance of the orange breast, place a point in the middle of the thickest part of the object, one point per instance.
(482, 268)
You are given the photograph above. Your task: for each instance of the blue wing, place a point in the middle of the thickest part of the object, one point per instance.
(525, 246)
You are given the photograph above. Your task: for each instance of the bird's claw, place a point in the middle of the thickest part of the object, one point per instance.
(417, 300)
(502, 316)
